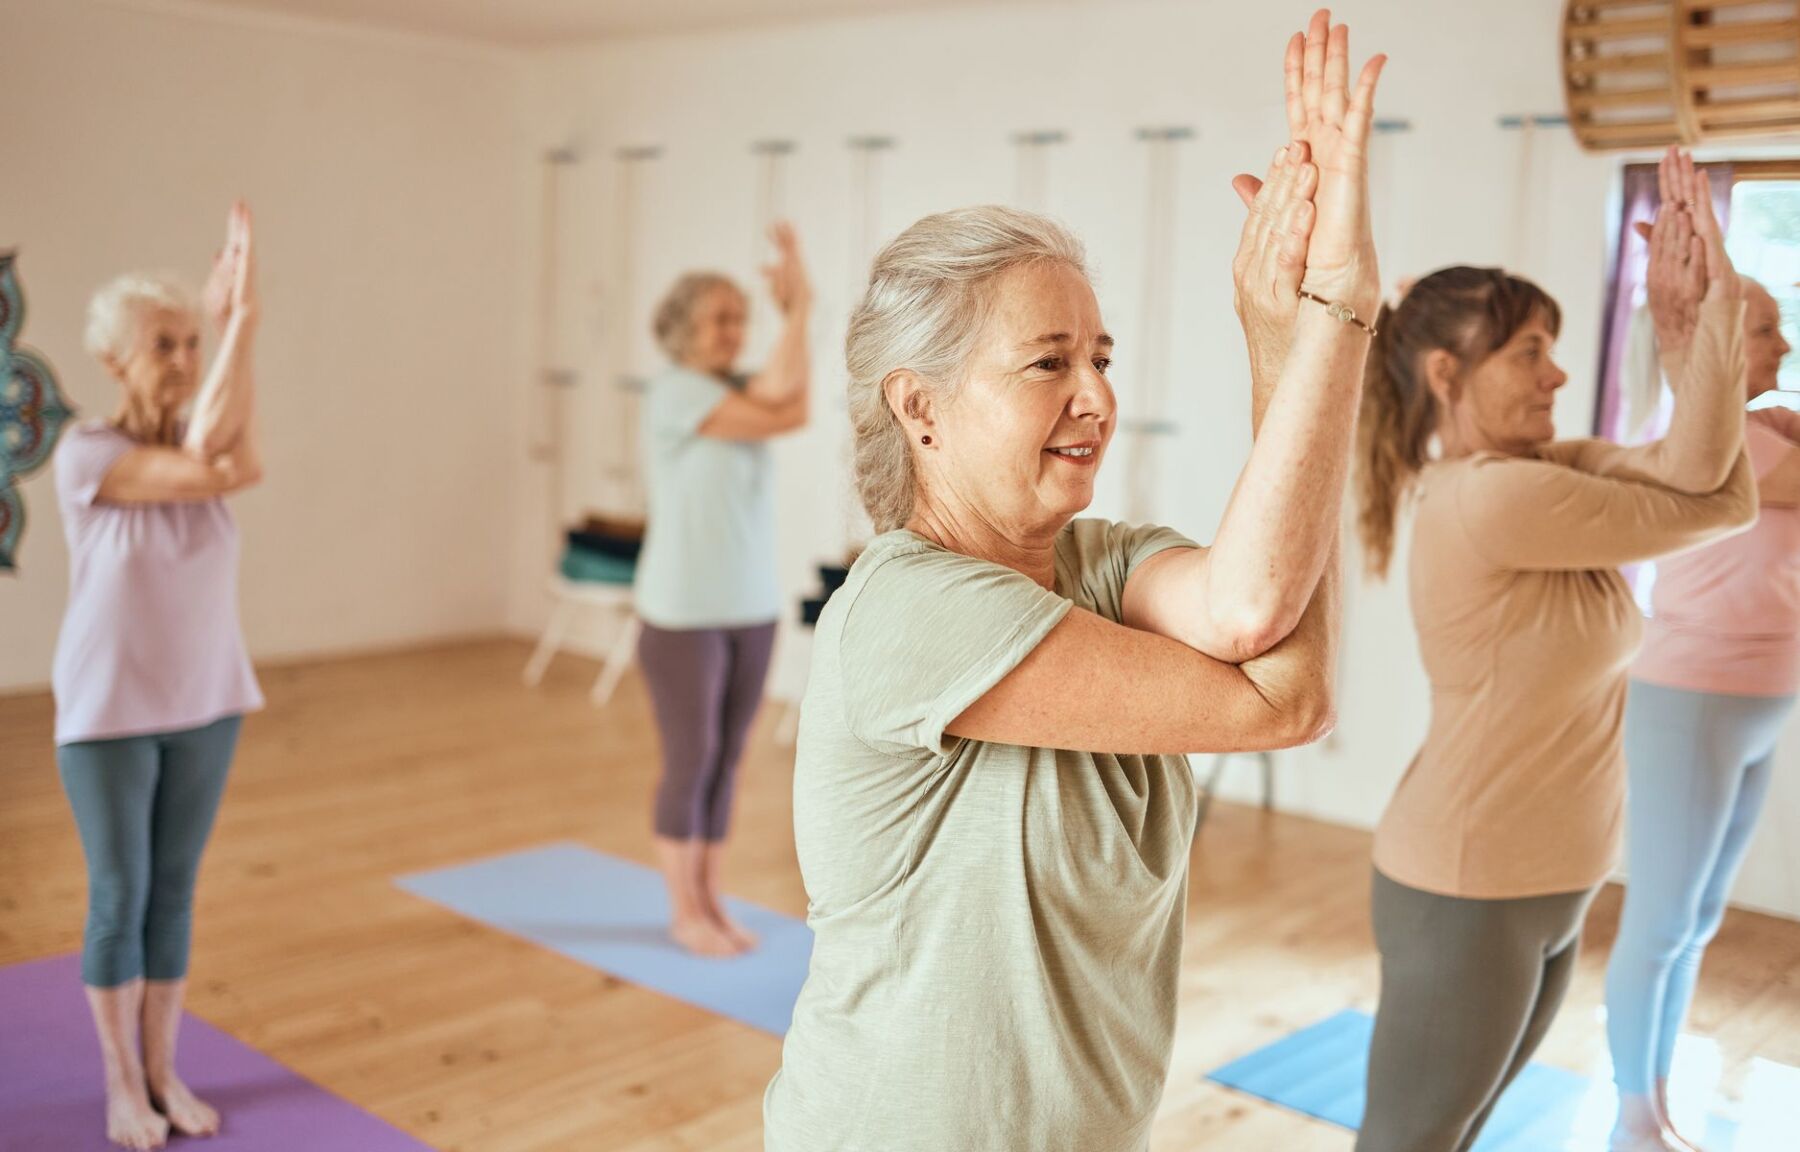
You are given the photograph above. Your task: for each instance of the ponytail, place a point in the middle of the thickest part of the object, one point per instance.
(1387, 468)
(1468, 312)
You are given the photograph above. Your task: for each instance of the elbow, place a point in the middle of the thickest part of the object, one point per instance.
(1310, 718)
(247, 474)
(1256, 628)
(1306, 714)
(1744, 513)
(1702, 478)
(1745, 502)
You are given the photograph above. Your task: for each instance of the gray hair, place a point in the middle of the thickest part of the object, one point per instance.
(121, 304)
(674, 321)
(923, 311)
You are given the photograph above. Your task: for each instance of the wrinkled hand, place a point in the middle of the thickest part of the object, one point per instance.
(1687, 262)
(1334, 123)
(231, 286)
(1271, 256)
(787, 276)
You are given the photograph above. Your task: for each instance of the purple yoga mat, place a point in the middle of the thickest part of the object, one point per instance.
(50, 1089)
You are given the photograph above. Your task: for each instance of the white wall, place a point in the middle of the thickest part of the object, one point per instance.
(952, 88)
(396, 183)
(390, 193)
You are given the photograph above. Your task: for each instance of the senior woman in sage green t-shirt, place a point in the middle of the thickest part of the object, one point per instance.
(992, 811)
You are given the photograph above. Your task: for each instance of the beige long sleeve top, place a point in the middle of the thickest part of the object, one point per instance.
(1527, 630)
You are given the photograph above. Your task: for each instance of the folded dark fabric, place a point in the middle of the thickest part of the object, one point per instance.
(618, 529)
(587, 567)
(622, 548)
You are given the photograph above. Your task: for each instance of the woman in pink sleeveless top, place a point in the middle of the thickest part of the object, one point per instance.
(1709, 692)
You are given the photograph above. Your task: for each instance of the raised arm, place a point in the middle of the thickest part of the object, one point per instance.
(153, 474)
(1191, 669)
(1697, 306)
(1546, 515)
(1237, 599)
(787, 374)
(776, 400)
(738, 417)
(1095, 686)
(222, 411)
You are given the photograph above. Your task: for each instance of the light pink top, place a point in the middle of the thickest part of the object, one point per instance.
(150, 640)
(1726, 617)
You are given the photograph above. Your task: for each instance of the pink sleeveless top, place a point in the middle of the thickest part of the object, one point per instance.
(1726, 617)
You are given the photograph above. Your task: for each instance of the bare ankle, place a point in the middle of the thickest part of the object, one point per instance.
(1638, 1114)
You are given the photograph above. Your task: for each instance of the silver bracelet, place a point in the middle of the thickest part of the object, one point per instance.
(1342, 313)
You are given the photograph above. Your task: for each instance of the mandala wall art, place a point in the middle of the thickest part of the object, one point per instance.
(33, 411)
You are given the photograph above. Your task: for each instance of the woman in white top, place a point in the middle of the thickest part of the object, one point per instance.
(706, 588)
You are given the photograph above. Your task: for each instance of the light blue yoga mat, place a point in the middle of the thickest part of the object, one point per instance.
(613, 915)
(1322, 1071)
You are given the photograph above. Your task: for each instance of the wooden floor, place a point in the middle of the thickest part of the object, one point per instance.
(363, 769)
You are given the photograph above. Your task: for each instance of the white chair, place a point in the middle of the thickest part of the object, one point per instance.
(570, 596)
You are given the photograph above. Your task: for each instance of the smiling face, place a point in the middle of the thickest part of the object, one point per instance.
(1764, 346)
(160, 369)
(1505, 402)
(1023, 435)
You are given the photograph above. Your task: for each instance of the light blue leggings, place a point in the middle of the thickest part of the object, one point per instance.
(1699, 767)
(144, 806)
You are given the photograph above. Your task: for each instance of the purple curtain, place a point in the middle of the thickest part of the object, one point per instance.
(1628, 255)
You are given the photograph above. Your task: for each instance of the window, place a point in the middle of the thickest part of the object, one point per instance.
(1759, 202)
(1763, 238)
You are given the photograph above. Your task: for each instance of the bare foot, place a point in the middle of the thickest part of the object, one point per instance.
(1628, 1140)
(746, 939)
(704, 938)
(131, 1122)
(1682, 1143)
(1676, 1140)
(188, 1114)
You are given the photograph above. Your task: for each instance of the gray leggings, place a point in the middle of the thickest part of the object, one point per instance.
(1468, 989)
(706, 685)
(144, 806)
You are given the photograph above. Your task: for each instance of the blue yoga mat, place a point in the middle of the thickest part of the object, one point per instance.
(1322, 1071)
(613, 915)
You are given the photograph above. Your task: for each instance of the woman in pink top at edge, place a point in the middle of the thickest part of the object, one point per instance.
(1709, 691)
(151, 676)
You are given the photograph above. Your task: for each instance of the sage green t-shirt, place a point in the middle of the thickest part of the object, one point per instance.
(997, 929)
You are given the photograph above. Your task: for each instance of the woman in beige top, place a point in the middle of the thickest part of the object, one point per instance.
(992, 814)
(1508, 818)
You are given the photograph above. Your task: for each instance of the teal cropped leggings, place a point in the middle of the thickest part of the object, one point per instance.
(144, 806)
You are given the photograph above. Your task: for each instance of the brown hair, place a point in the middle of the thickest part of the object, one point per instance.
(1470, 313)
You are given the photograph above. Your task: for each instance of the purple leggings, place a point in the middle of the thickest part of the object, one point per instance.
(705, 684)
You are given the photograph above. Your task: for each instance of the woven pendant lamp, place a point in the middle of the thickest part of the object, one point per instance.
(1648, 73)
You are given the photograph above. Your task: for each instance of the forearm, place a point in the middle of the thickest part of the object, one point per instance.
(223, 407)
(1283, 516)
(1297, 677)
(1266, 363)
(1706, 429)
(788, 372)
(245, 453)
